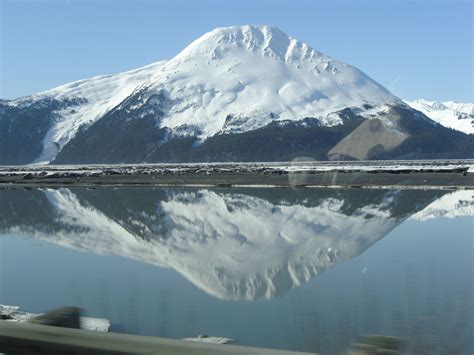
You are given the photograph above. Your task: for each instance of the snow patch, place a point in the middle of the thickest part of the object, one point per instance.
(210, 340)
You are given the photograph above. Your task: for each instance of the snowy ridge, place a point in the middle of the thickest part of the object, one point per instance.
(230, 246)
(464, 107)
(257, 74)
(98, 94)
(456, 204)
(451, 114)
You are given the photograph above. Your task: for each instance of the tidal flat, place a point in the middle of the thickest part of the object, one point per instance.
(421, 173)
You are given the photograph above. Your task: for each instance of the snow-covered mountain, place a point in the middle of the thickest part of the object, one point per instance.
(231, 245)
(451, 114)
(96, 97)
(242, 78)
(254, 82)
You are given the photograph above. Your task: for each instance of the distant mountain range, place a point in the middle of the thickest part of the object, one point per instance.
(246, 93)
(250, 244)
(451, 114)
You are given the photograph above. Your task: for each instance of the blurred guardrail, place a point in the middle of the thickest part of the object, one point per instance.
(30, 338)
(57, 332)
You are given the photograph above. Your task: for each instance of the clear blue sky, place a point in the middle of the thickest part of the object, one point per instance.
(414, 48)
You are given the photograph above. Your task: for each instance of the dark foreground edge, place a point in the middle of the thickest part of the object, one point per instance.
(27, 338)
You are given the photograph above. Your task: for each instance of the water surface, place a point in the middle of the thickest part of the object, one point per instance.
(302, 269)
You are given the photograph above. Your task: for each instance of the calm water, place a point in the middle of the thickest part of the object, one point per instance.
(307, 269)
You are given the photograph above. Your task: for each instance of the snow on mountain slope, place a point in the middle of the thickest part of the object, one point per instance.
(100, 94)
(455, 115)
(456, 204)
(464, 107)
(241, 78)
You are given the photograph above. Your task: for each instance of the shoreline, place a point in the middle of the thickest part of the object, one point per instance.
(446, 180)
(447, 174)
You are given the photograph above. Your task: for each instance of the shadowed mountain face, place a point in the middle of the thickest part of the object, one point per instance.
(233, 244)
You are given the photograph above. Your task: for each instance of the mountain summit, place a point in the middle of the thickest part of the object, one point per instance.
(256, 75)
(244, 93)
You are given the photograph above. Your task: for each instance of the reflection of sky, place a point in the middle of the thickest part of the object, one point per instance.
(419, 267)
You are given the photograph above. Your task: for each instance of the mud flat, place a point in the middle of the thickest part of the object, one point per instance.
(423, 174)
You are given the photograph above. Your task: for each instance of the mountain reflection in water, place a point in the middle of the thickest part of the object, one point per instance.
(301, 269)
(247, 245)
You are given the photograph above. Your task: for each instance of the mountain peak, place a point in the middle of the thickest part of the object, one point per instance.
(266, 40)
(257, 74)
(249, 29)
